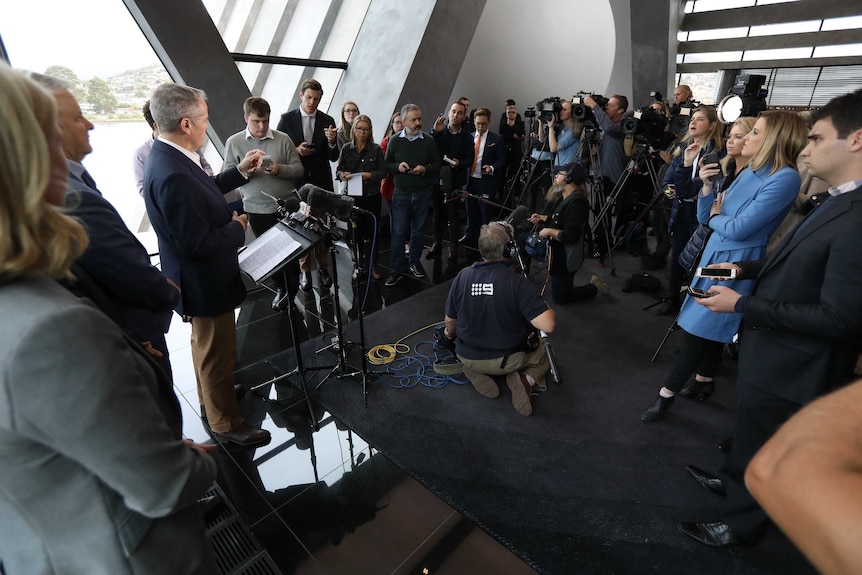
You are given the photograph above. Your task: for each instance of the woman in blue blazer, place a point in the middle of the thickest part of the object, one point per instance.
(742, 218)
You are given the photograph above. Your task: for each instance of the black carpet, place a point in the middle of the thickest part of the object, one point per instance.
(581, 486)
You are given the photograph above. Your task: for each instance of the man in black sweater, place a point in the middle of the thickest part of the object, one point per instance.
(413, 157)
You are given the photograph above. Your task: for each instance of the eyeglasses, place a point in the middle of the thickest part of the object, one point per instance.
(351, 111)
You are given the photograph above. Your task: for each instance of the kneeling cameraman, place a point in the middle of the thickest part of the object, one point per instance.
(490, 312)
(565, 221)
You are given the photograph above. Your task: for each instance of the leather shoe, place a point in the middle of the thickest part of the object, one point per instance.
(305, 281)
(482, 383)
(520, 388)
(715, 534)
(279, 302)
(325, 280)
(699, 390)
(245, 436)
(707, 480)
(658, 410)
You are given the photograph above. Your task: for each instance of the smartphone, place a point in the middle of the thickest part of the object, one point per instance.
(699, 293)
(310, 145)
(711, 159)
(267, 162)
(716, 273)
(449, 160)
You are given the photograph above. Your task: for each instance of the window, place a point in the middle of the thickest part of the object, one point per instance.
(130, 75)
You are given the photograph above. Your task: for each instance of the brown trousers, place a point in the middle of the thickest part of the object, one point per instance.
(214, 356)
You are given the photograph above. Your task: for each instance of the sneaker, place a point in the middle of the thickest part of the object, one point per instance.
(392, 280)
(600, 284)
(417, 271)
(484, 384)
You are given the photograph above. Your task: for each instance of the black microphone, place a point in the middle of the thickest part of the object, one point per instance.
(336, 205)
(519, 219)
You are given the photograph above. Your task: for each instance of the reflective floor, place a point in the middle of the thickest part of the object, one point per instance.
(325, 501)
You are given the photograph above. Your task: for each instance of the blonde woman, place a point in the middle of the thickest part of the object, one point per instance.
(96, 477)
(742, 218)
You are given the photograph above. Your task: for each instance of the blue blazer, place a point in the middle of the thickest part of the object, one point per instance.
(493, 154)
(120, 265)
(753, 207)
(198, 239)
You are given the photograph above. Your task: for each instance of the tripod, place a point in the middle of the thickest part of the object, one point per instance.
(300, 240)
(612, 198)
(358, 273)
(546, 340)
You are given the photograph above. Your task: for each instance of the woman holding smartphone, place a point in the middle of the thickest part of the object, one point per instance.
(742, 217)
(704, 137)
(362, 158)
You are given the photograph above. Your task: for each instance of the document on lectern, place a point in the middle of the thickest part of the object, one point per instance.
(267, 253)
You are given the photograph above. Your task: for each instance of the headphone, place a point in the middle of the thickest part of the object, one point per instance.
(510, 249)
(570, 174)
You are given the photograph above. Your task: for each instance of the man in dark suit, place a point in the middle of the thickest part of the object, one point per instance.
(485, 176)
(802, 326)
(141, 299)
(314, 135)
(198, 241)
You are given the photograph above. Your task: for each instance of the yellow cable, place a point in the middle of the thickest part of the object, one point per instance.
(386, 353)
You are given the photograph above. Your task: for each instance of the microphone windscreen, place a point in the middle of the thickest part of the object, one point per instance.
(519, 219)
(342, 207)
(305, 190)
(317, 198)
(291, 203)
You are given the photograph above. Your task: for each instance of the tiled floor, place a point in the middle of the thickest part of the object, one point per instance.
(326, 501)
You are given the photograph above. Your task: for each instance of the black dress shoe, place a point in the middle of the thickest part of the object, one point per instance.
(325, 280)
(707, 480)
(245, 436)
(699, 390)
(305, 281)
(434, 252)
(279, 302)
(715, 534)
(658, 410)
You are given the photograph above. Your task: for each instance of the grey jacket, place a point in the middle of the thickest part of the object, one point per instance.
(92, 479)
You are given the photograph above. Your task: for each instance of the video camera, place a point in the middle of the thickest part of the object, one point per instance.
(580, 111)
(681, 117)
(647, 124)
(549, 108)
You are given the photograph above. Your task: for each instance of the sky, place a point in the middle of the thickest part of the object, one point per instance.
(92, 37)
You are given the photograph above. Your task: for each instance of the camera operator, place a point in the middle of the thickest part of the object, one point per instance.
(612, 155)
(542, 159)
(567, 143)
(490, 311)
(565, 221)
(682, 97)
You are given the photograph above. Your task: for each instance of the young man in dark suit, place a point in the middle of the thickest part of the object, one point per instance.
(314, 135)
(198, 242)
(802, 326)
(485, 177)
